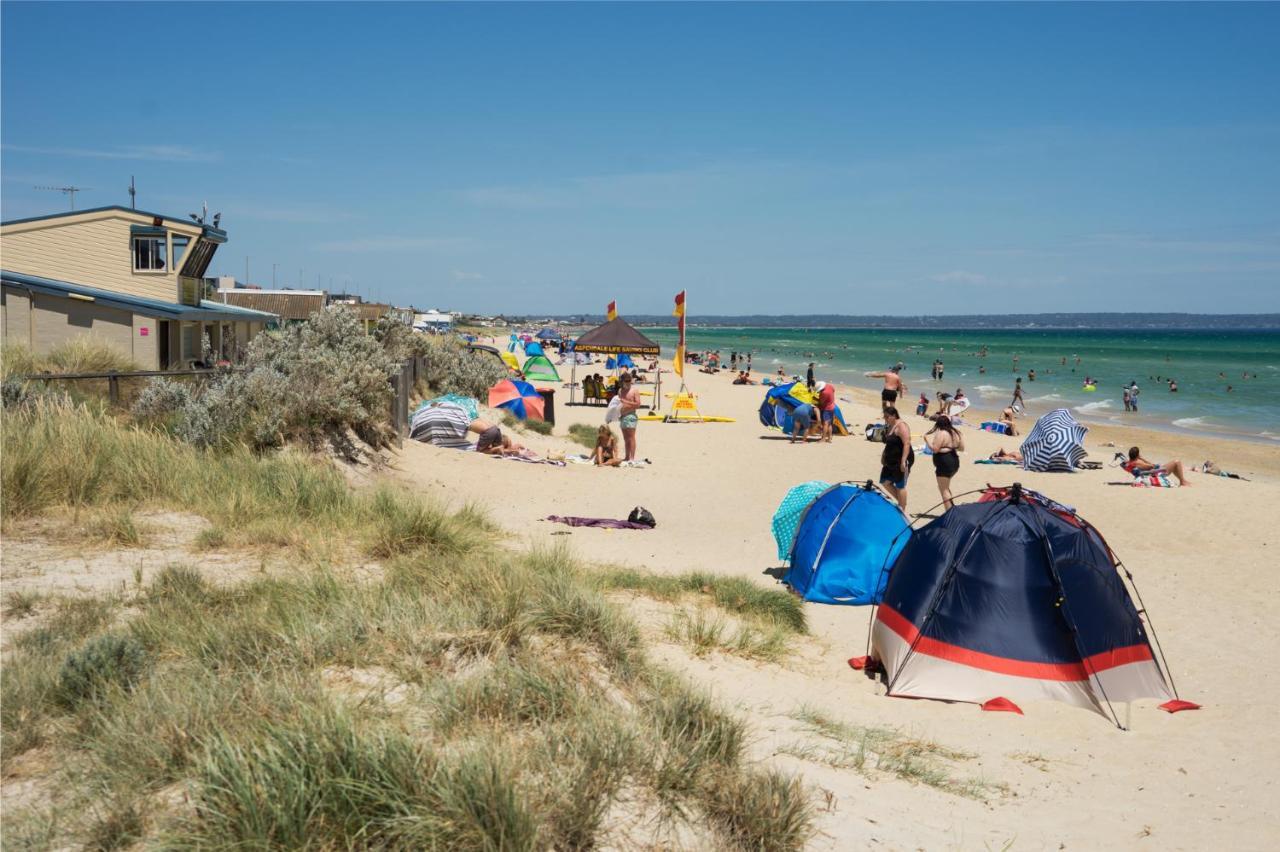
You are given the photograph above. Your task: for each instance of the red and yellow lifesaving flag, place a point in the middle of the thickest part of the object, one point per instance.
(611, 312)
(678, 362)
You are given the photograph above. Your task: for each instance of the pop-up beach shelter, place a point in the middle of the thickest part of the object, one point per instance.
(1056, 442)
(548, 334)
(848, 538)
(1015, 597)
(781, 400)
(616, 337)
(540, 369)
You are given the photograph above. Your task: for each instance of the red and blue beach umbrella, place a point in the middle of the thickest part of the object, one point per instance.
(518, 397)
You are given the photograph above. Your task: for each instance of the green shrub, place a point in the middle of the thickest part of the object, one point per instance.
(106, 661)
(453, 368)
(314, 382)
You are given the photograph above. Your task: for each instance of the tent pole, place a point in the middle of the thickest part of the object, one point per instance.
(573, 378)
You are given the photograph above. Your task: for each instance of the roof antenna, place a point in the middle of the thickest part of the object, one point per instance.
(66, 190)
(133, 194)
(1015, 493)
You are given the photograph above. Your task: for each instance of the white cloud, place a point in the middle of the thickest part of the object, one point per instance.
(959, 276)
(463, 275)
(390, 243)
(164, 153)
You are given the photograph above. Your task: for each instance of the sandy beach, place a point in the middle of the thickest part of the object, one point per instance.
(1202, 558)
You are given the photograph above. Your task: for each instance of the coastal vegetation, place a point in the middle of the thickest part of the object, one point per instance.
(393, 677)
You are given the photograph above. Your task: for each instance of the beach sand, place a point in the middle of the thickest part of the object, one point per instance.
(1203, 559)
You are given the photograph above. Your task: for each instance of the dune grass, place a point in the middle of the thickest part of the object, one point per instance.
(473, 697)
(584, 435)
(884, 749)
(77, 355)
(735, 595)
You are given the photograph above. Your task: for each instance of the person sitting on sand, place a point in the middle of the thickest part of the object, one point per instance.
(1006, 417)
(1138, 465)
(492, 442)
(606, 452)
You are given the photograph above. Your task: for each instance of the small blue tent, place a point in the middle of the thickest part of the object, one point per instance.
(624, 360)
(531, 348)
(846, 542)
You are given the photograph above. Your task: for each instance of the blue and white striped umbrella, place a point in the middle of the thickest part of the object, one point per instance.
(1056, 442)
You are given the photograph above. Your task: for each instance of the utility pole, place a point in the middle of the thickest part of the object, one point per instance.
(273, 276)
(246, 270)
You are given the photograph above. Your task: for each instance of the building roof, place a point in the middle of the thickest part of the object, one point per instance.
(286, 304)
(208, 311)
(370, 310)
(218, 235)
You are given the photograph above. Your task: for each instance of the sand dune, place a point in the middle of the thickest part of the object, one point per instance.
(1203, 558)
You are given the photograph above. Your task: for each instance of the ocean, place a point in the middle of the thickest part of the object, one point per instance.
(1227, 405)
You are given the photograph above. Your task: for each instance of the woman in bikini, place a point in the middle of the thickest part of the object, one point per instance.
(945, 442)
(606, 454)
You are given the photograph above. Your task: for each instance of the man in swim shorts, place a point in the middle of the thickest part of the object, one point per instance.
(827, 408)
(892, 387)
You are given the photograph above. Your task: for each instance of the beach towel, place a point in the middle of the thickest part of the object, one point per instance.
(603, 523)
(533, 460)
(994, 461)
(1152, 480)
(991, 426)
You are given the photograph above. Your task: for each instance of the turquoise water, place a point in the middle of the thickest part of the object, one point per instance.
(1193, 358)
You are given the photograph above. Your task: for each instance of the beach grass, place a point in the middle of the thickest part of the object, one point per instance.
(583, 434)
(869, 749)
(735, 595)
(469, 696)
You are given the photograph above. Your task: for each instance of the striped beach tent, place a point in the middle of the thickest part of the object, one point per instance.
(443, 424)
(1055, 443)
(1015, 598)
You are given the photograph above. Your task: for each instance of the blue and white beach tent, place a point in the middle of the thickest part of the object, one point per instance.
(847, 541)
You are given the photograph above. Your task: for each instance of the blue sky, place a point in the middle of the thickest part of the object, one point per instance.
(902, 159)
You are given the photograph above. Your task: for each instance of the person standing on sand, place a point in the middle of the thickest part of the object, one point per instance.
(897, 458)
(892, 386)
(827, 408)
(630, 401)
(945, 442)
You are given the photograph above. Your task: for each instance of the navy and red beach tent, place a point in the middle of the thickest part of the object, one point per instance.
(1015, 597)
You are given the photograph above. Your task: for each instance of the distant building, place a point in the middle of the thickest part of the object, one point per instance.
(129, 279)
(433, 321)
(290, 306)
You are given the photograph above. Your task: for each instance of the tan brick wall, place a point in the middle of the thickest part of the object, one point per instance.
(16, 325)
(58, 320)
(94, 251)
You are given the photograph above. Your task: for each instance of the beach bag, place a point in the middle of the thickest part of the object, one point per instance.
(641, 515)
(613, 413)
(876, 432)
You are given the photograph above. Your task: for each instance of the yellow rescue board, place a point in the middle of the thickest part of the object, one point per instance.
(693, 418)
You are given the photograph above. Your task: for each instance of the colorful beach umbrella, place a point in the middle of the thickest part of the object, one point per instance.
(517, 397)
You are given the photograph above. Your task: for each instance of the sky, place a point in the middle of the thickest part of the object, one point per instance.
(532, 158)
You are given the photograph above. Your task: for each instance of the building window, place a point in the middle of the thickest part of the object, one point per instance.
(149, 254)
(180, 243)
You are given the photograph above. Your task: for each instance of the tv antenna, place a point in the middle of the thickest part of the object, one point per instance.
(133, 194)
(66, 190)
